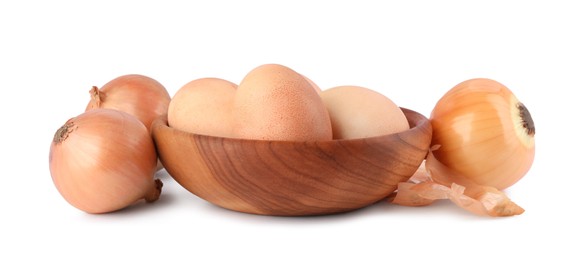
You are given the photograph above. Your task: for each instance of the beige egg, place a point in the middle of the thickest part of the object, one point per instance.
(203, 106)
(358, 112)
(273, 102)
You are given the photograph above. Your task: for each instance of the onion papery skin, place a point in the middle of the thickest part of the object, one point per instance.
(104, 160)
(137, 95)
(479, 132)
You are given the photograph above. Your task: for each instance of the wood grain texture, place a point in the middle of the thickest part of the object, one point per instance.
(293, 178)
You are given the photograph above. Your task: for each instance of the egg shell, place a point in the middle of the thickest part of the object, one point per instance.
(358, 112)
(273, 102)
(315, 86)
(204, 106)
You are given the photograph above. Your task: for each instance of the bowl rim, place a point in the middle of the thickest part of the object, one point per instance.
(414, 118)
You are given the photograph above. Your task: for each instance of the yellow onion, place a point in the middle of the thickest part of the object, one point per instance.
(483, 133)
(137, 95)
(482, 142)
(104, 160)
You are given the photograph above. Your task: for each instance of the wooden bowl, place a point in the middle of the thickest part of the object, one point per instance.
(292, 178)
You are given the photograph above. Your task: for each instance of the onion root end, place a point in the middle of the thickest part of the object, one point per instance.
(154, 194)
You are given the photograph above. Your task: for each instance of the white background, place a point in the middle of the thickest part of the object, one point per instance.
(52, 52)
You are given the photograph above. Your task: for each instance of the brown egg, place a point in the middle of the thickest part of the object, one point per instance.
(274, 102)
(203, 106)
(358, 112)
(315, 86)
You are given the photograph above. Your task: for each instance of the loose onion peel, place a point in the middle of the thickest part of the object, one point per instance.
(432, 181)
